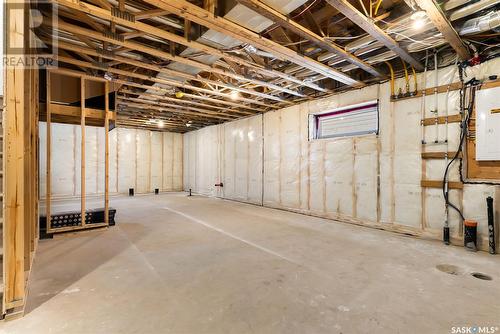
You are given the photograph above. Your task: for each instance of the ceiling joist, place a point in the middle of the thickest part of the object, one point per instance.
(370, 27)
(197, 14)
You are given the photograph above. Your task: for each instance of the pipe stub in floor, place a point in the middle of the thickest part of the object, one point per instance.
(482, 276)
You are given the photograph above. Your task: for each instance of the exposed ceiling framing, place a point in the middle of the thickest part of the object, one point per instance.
(200, 62)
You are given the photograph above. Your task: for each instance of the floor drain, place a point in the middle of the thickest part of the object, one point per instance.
(482, 276)
(448, 268)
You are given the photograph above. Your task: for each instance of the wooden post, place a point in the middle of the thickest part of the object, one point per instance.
(106, 153)
(82, 127)
(48, 155)
(14, 167)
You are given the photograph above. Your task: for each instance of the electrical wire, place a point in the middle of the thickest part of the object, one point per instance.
(463, 132)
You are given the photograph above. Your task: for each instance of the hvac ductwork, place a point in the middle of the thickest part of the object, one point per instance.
(490, 21)
(472, 9)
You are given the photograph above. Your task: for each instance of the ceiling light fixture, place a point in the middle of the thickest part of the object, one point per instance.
(108, 76)
(161, 124)
(419, 19)
(234, 95)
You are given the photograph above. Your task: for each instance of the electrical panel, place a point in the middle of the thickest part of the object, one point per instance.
(488, 124)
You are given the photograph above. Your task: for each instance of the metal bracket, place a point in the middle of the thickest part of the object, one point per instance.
(122, 14)
(105, 52)
(113, 35)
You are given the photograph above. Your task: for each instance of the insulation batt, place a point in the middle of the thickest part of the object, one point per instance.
(268, 160)
(139, 159)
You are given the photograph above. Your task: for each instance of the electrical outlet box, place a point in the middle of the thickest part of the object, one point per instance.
(488, 124)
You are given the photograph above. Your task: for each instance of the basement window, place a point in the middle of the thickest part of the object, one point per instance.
(350, 121)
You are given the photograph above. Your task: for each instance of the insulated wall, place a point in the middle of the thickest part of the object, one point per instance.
(373, 180)
(139, 159)
(230, 154)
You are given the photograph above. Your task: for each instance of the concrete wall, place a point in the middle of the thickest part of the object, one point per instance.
(371, 180)
(139, 159)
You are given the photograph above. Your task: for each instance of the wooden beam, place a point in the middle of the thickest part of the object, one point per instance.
(166, 35)
(444, 26)
(367, 25)
(147, 14)
(173, 83)
(439, 155)
(178, 109)
(279, 35)
(197, 14)
(73, 112)
(275, 16)
(159, 89)
(442, 120)
(167, 56)
(145, 104)
(183, 101)
(172, 73)
(439, 184)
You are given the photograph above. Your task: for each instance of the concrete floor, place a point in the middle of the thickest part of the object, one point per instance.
(175, 264)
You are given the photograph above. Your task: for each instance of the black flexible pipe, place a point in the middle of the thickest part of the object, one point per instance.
(491, 225)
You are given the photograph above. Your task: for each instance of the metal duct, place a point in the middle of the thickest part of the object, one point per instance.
(455, 3)
(483, 23)
(472, 9)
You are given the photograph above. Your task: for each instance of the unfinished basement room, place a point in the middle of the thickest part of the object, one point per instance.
(250, 166)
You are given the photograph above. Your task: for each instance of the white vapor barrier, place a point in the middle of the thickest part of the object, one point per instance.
(241, 145)
(127, 158)
(137, 160)
(143, 152)
(373, 179)
(156, 161)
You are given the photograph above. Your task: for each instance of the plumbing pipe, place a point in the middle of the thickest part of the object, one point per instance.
(407, 78)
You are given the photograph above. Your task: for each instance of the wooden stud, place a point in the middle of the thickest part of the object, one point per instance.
(48, 172)
(106, 153)
(14, 167)
(82, 127)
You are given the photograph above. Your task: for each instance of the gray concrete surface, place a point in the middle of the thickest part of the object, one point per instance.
(175, 264)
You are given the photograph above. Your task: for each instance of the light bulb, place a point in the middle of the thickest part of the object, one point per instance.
(418, 19)
(160, 124)
(234, 95)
